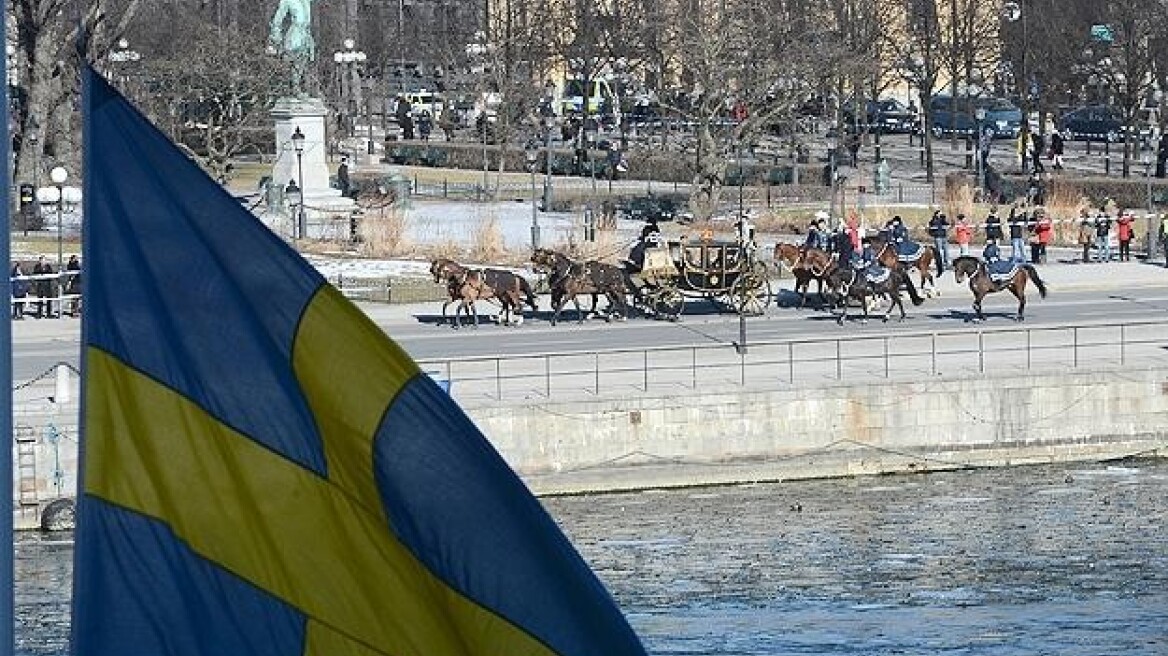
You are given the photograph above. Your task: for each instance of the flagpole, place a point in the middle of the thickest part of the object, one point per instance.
(7, 577)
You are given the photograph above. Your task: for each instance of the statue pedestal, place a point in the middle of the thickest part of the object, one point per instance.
(311, 172)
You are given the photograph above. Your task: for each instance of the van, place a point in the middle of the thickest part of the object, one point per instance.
(601, 97)
(424, 101)
(1003, 120)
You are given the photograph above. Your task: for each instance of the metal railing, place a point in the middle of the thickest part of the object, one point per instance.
(801, 362)
(55, 298)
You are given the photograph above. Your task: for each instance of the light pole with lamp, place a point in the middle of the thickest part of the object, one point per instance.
(980, 115)
(832, 144)
(294, 195)
(532, 154)
(34, 138)
(59, 175)
(298, 146)
(350, 62)
(123, 56)
(1013, 11)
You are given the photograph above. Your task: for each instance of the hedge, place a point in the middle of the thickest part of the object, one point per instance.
(1124, 192)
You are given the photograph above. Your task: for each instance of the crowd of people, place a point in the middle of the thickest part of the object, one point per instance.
(1029, 234)
(54, 294)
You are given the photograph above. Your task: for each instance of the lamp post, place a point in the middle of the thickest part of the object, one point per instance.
(34, 138)
(298, 146)
(295, 197)
(123, 56)
(532, 154)
(349, 62)
(1013, 11)
(59, 175)
(832, 144)
(980, 114)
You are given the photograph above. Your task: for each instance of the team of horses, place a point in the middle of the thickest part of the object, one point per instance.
(839, 283)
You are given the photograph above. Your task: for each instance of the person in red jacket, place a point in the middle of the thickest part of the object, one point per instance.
(963, 232)
(1043, 230)
(1125, 230)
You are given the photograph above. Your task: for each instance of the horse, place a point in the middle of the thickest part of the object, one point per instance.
(568, 278)
(888, 255)
(849, 282)
(468, 285)
(980, 282)
(807, 265)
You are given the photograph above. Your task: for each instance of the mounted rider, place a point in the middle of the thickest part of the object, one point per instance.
(817, 233)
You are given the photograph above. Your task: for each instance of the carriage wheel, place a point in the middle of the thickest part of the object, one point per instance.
(668, 303)
(751, 292)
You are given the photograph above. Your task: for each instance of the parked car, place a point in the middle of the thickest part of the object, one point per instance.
(1100, 123)
(666, 207)
(887, 116)
(1002, 118)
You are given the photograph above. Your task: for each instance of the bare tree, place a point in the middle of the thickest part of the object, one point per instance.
(745, 67)
(920, 60)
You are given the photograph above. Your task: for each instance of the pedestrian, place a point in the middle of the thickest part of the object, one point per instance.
(72, 285)
(1164, 237)
(1036, 143)
(993, 225)
(1044, 227)
(43, 287)
(964, 233)
(1086, 234)
(1017, 223)
(939, 231)
(343, 182)
(1103, 236)
(1124, 231)
(19, 291)
(425, 126)
(1056, 150)
(854, 147)
(1162, 155)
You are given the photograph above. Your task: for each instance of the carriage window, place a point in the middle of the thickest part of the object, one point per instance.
(693, 257)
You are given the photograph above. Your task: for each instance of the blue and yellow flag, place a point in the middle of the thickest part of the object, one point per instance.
(264, 471)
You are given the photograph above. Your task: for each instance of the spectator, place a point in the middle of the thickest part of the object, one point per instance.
(939, 231)
(993, 226)
(1036, 143)
(1124, 231)
(1017, 223)
(425, 126)
(72, 284)
(1044, 228)
(1086, 234)
(43, 287)
(964, 233)
(19, 291)
(1103, 236)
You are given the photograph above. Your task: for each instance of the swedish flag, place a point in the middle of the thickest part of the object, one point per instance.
(264, 472)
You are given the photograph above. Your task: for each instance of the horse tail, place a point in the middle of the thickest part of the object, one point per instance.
(912, 289)
(1033, 273)
(525, 287)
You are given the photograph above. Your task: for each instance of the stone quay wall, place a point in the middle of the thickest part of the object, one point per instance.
(743, 436)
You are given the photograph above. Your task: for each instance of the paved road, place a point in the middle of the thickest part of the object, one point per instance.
(1080, 295)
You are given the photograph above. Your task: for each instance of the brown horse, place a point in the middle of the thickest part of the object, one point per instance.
(849, 282)
(466, 286)
(888, 256)
(980, 283)
(807, 265)
(568, 278)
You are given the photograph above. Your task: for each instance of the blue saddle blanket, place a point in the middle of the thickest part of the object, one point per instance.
(907, 251)
(877, 274)
(1002, 270)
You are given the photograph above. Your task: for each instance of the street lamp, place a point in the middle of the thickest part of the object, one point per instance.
(1012, 12)
(295, 197)
(59, 175)
(532, 154)
(832, 144)
(298, 146)
(348, 63)
(121, 56)
(34, 138)
(980, 114)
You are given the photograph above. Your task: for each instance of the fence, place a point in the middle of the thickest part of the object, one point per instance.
(57, 296)
(799, 362)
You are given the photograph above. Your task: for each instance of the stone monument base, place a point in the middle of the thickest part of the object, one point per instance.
(309, 168)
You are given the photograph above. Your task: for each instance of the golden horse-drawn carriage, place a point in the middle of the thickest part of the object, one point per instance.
(725, 272)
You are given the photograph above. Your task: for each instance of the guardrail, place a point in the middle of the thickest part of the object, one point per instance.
(797, 362)
(57, 297)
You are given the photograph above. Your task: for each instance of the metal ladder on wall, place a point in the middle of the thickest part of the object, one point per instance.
(26, 470)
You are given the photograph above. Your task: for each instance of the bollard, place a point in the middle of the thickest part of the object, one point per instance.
(921, 151)
(62, 394)
(1107, 165)
(445, 188)
(900, 193)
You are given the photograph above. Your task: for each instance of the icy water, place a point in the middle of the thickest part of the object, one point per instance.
(1069, 560)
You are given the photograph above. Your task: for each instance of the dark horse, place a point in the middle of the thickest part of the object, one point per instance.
(848, 282)
(887, 254)
(466, 286)
(568, 278)
(980, 282)
(807, 265)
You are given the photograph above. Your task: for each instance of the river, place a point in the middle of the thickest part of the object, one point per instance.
(1068, 560)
